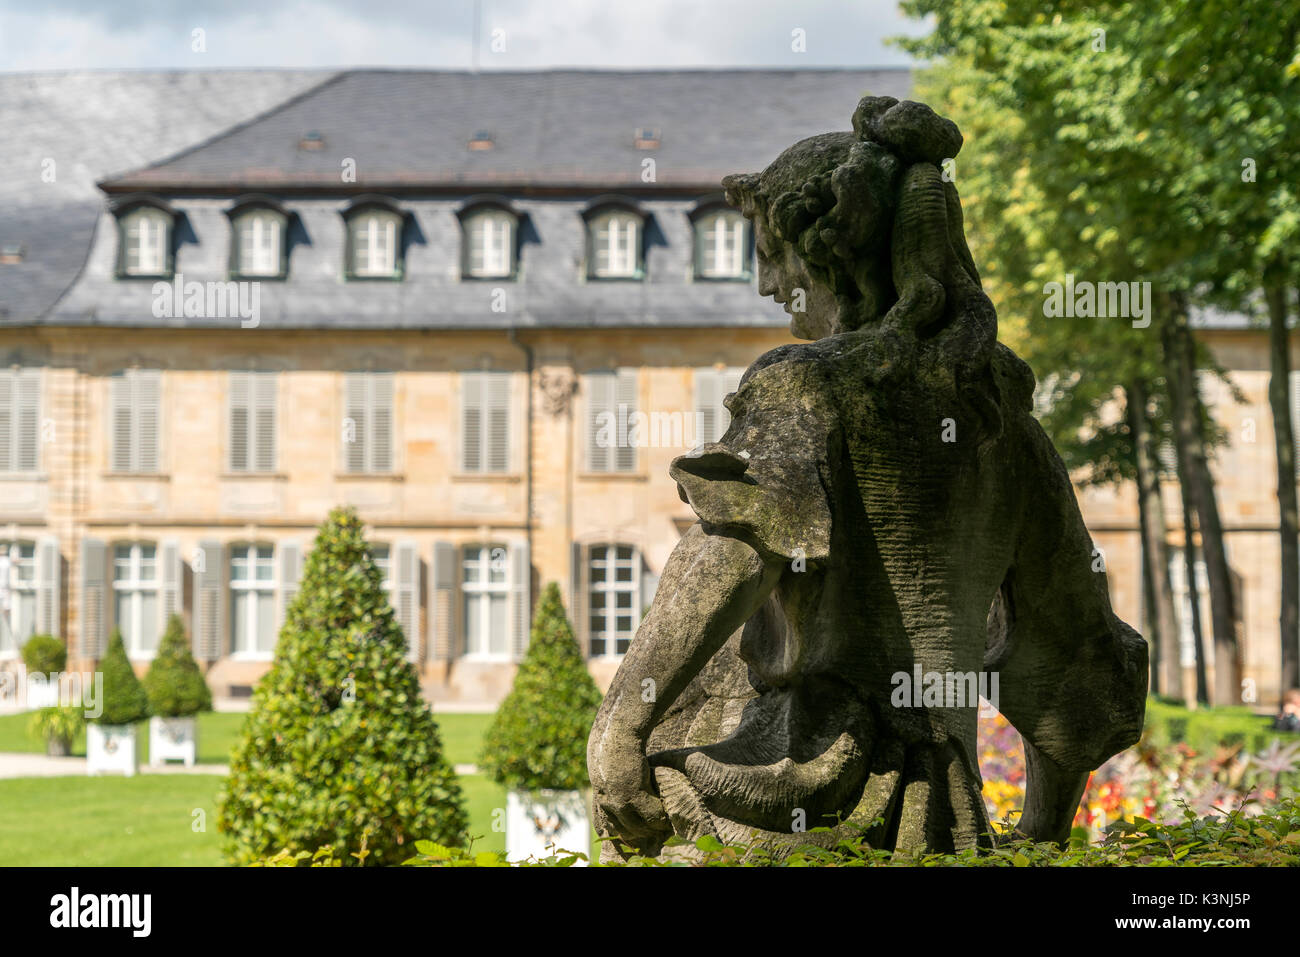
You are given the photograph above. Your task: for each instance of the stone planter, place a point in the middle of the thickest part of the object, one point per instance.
(173, 739)
(542, 823)
(110, 748)
(58, 747)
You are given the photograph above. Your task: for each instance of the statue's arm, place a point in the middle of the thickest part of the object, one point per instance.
(1072, 676)
(711, 585)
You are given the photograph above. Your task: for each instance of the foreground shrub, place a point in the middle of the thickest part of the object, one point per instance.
(58, 727)
(44, 654)
(1269, 838)
(339, 748)
(174, 684)
(538, 739)
(125, 701)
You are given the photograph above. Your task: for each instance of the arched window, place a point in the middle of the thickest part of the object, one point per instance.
(721, 244)
(145, 228)
(259, 230)
(374, 240)
(490, 233)
(615, 240)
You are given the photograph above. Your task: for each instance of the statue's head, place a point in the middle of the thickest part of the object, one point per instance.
(864, 223)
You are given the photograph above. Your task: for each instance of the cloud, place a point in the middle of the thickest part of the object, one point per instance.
(156, 34)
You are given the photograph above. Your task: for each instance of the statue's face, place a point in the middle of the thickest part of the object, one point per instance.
(785, 277)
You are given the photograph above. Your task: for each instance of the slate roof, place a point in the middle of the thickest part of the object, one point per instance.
(93, 125)
(557, 128)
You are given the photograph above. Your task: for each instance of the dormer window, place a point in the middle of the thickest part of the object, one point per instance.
(614, 241)
(259, 230)
(721, 244)
(374, 240)
(489, 231)
(145, 238)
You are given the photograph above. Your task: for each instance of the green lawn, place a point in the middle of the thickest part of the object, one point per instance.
(147, 820)
(217, 733)
(462, 736)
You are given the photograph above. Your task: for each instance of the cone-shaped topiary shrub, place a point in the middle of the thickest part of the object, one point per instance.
(174, 684)
(339, 747)
(124, 699)
(538, 739)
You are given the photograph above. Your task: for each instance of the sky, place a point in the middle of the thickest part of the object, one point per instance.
(527, 34)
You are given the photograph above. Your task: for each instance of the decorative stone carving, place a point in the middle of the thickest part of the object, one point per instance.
(883, 506)
(558, 388)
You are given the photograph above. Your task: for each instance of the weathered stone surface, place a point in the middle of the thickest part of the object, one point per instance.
(882, 501)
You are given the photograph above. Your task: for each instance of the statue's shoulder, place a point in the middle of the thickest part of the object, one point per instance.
(797, 360)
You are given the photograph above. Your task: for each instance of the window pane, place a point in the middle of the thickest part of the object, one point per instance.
(472, 565)
(146, 641)
(265, 621)
(239, 604)
(148, 563)
(499, 635)
(497, 562)
(474, 624)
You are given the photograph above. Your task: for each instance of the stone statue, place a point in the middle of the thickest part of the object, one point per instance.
(882, 507)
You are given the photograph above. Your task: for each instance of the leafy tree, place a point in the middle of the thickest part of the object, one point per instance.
(339, 747)
(125, 701)
(174, 684)
(538, 739)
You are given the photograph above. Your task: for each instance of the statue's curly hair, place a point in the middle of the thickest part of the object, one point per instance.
(874, 216)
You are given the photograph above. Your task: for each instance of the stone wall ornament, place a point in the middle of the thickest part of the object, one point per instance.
(557, 389)
(899, 512)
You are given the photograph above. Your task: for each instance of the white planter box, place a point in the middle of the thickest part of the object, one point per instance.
(173, 739)
(546, 822)
(111, 748)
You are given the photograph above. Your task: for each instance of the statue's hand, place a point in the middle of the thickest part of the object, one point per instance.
(623, 788)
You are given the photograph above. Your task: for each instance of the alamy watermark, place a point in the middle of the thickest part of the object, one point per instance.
(945, 689)
(27, 690)
(1102, 300)
(208, 300)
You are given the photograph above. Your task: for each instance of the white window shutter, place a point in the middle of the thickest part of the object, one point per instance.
(356, 433)
(290, 576)
(521, 574)
(471, 421)
(8, 420)
(27, 410)
(381, 435)
(406, 592)
(600, 407)
(580, 582)
(209, 602)
(708, 385)
(264, 421)
(625, 453)
(442, 602)
(171, 582)
(120, 406)
(148, 413)
(496, 454)
(94, 598)
(238, 415)
(48, 573)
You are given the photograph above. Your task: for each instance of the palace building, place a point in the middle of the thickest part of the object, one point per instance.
(485, 309)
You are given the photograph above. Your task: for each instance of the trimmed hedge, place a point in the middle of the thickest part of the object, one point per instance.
(339, 747)
(538, 739)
